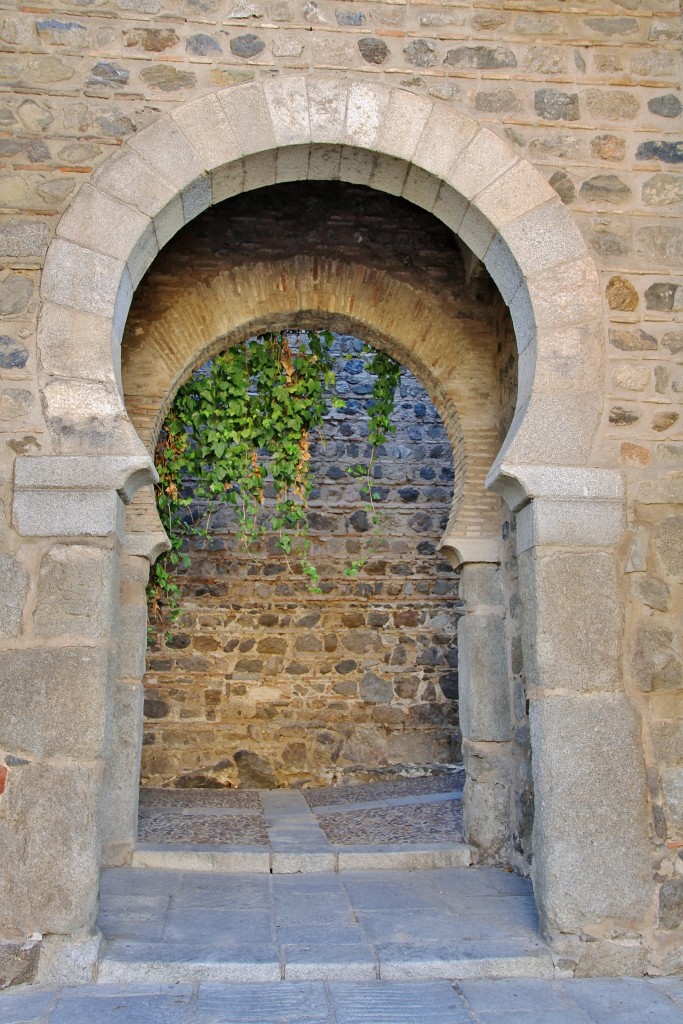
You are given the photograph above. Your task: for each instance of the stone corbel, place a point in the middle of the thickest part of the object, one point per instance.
(563, 505)
(463, 550)
(75, 495)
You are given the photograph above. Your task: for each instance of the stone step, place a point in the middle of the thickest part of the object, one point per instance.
(126, 962)
(260, 859)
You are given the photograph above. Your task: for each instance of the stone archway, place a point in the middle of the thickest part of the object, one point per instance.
(588, 770)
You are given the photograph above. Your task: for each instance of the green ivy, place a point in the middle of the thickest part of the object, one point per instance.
(244, 421)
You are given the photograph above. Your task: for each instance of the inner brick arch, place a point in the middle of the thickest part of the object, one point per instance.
(410, 323)
(296, 128)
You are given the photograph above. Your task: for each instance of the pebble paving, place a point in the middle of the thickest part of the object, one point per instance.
(419, 823)
(405, 811)
(164, 827)
(328, 795)
(514, 1001)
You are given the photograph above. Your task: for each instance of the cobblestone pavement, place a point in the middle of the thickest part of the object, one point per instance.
(407, 811)
(420, 823)
(515, 1001)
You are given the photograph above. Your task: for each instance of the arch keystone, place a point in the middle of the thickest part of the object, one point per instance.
(366, 111)
(287, 100)
(327, 100)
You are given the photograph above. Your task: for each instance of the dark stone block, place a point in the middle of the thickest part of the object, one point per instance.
(449, 685)
(408, 494)
(421, 53)
(105, 72)
(345, 666)
(155, 707)
(553, 105)
(632, 341)
(373, 50)
(13, 354)
(18, 964)
(481, 57)
(352, 18)
(667, 152)
(623, 417)
(203, 45)
(247, 45)
(360, 521)
(659, 296)
(665, 106)
(671, 904)
(605, 188)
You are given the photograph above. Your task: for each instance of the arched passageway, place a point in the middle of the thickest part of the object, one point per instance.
(570, 510)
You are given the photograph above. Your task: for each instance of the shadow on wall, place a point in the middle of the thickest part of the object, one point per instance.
(264, 683)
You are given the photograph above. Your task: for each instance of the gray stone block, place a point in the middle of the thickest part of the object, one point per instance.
(484, 687)
(484, 160)
(287, 101)
(582, 523)
(67, 961)
(163, 145)
(61, 513)
(48, 808)
(329, 961)
(73, 343)
(404, 123)
(52, 682)
(572, 621)
(486, 801)
(81, 278)
(590, 799)
(445, 136)
(481, 585)
(13, 591)
(132, 646)
(121, 473)
(398, 1003)
(122, 774)
(544, 237)
(672, 789)
(249, 118)
(99, 221)
(18, 966)
(205, 125)
(76, 589)
(366, 110)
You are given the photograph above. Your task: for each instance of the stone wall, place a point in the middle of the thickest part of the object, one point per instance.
(588, 93)
(267, 683)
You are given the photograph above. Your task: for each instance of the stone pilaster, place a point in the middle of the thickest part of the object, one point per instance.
(590, 845)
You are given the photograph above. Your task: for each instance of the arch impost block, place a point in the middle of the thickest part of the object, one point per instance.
(147, 545)
(568, 506)
(462, 551)
(75, 495)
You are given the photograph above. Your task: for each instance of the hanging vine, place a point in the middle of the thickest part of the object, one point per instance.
(239, 430)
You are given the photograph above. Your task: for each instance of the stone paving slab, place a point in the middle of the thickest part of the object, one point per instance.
(508, 1001)
(392, 925)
